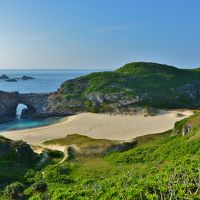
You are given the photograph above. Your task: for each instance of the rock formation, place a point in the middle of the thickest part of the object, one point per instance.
(8, 103)
(12, 80)
(25, 78)
(37, 105)
(4, 77)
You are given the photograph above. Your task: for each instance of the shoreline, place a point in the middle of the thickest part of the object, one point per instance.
(101, 126)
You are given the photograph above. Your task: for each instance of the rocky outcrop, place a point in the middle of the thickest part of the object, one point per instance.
(20, 149)
(12, 80)
(25, 78)
(120, 98)
(186, 129)
(8, 104)
(37, 105)
(4, 77)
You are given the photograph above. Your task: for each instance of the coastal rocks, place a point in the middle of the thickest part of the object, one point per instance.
(65, 106)
(8, 103)
(42, 105)
(12, 80)
(25, 78)
(28, 112)
(36, 103)
(4, 77)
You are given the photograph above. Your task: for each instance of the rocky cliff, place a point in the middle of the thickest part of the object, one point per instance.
(8, 103)
(37, 105)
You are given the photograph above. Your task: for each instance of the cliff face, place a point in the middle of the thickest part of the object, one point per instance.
(8, 103)
(37, 105)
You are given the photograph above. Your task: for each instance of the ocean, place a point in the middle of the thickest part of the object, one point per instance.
(45, 81)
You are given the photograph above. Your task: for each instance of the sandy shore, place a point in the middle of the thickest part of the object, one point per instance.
(116, 127)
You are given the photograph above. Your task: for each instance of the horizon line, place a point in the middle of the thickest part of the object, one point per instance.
(54, 69)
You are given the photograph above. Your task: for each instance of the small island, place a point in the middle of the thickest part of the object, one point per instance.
(4, 77)
(25, 78)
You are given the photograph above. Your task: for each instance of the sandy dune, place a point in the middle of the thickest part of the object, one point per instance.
(116, 127)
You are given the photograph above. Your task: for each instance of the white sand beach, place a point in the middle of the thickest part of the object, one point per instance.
(115, 127)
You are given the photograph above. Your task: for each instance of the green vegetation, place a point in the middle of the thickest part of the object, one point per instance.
(135, 84)
(79, 140)
(83, 146)
(15, 159)
(159, 166)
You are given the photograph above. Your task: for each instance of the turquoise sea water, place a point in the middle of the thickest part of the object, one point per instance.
(45, 81)
(26, 124)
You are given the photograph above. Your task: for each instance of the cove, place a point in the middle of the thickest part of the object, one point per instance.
(19, 124)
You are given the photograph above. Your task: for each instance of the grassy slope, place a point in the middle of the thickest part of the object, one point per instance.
(159, 166)
(162, 85)
(83, 146)
(79, 140)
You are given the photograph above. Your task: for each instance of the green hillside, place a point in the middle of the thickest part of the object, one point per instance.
(136, 84)
(159, 166)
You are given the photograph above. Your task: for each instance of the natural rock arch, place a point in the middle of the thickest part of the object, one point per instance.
(37, 105)
(26, 111)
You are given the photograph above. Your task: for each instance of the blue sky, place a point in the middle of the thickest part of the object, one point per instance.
(98, 33)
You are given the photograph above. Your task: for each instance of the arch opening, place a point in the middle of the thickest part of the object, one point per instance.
(19, 110)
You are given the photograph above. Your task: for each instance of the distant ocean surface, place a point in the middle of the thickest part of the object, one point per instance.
(45, 81)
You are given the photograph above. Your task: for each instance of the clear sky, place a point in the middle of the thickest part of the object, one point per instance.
(98, 33)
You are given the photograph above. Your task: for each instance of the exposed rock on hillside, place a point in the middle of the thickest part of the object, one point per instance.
(37, 105)
(8, 102)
